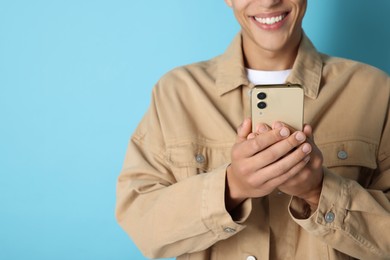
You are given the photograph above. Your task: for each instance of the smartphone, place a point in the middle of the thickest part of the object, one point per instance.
(270, 103)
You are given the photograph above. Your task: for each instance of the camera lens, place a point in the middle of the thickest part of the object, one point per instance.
(262, 105)
(261, 95)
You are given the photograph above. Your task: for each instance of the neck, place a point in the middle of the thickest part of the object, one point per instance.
(270, 60)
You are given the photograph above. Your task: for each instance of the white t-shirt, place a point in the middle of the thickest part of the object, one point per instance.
(262, 77)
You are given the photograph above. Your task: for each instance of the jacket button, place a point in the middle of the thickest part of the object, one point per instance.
(200, 158)
(329, 217)
(251, 257)
(229, 230)
(342, 155)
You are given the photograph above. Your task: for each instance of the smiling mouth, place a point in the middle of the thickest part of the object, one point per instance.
(270, 20)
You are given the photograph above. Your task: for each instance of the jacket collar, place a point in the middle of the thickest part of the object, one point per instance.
(230, 68)
(306, 71)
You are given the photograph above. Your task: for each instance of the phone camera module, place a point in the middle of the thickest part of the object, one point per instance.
(261, 95)
(262, 105)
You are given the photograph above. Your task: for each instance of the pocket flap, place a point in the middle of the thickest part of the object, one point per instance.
(349, 153)
(199, 155)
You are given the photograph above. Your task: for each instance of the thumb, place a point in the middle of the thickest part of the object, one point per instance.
(308, 131)
(244, 130)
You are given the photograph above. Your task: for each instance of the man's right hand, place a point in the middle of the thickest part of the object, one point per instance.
(262, 161)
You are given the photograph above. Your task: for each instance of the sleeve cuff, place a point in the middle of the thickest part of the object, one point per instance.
(214, 213)
(331, 210)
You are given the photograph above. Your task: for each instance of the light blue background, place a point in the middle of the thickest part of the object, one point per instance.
(75, 79)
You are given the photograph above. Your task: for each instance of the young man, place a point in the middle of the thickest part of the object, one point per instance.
(193, 187)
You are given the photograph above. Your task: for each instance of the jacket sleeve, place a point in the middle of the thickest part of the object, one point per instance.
(163, 216)
(351, 218)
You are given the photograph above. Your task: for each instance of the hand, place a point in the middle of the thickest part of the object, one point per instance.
(263, 161)
(307, 184)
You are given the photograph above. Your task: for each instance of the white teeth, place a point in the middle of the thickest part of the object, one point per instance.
(270, 20)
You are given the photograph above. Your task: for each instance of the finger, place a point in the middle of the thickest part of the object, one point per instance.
(262, 141)
(292, 173)
(285, 164)
(277, 125)
(264, 149)
(244, 130)
(281, 149)
(308, 130)
(251, 136)
(262, 128)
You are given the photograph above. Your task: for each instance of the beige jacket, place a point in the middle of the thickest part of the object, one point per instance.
(170, 193)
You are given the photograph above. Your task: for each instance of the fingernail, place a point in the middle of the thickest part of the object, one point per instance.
(284, 132)
(306, 159)
(278, 125)
(306, 148)
(261, 128)
(300, 136)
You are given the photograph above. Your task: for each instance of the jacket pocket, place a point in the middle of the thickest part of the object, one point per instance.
(353, 159)
(193, 158)
(349, 153)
